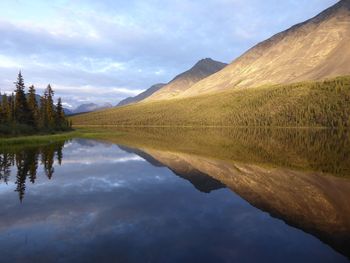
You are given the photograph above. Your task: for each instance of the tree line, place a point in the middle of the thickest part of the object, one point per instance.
(23, 113)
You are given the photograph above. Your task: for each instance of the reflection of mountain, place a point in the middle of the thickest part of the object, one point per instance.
(143, 155)
(314, 203)
(198, 179)
(298, 176)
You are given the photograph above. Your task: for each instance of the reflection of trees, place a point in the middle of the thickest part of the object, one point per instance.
(6, 161)
(26, 161)
(321, 150)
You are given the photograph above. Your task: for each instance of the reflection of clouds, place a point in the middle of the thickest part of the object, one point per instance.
(5, 188)
(133, 212)
(102, 159)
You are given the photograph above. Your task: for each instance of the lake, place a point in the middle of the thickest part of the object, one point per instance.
(178, 195)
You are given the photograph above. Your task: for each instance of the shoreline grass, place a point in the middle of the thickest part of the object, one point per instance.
(35, 139)
(28, 140)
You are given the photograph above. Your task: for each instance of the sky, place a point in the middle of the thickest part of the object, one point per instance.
(107, 50)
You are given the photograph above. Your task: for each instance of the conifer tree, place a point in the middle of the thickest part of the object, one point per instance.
(43, 123)
(5, 109)
(33, 107)
(60, 118)
(12, 107)
(50, 108)
(21, 107)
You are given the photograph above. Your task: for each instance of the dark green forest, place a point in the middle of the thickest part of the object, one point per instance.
(25, 113)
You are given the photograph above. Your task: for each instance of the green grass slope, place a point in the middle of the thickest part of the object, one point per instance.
(306, 104)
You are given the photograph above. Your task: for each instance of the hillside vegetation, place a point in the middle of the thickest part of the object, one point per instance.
(306, 104)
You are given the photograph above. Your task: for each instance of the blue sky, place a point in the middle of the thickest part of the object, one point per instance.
(106, 50)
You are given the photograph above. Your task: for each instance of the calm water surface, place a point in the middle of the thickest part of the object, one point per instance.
(94, 201)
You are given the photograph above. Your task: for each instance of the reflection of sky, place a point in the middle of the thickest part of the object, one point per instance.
(130, 211)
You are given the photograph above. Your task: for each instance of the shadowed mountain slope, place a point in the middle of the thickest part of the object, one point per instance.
(142, 95)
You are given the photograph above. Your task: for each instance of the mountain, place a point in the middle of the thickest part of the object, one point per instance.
(89, 107)
(67, 112)
(314, 50)
(302, 59)
(185, 80)
(142, 95)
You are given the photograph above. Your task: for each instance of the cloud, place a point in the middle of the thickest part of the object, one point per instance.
(121, 47)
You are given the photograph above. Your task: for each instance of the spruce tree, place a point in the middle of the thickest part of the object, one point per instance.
(21, 107)
(60, 118)
(33, 107)
(12, 108)
(5, 109)
(43, 123)
(50, 108)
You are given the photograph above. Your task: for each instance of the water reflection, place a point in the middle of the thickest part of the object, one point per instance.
(123, 203)
(201, 181)
(26, 160)
(299, 175)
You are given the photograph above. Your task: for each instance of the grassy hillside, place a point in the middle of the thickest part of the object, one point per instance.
(313, 50)
(316, 104)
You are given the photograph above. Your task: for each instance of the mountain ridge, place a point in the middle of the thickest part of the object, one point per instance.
(312, 50)
(297, 78)
(202, 69)
(90, 107)
(142, 95)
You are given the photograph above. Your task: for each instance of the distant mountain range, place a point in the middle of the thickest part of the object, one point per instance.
(142, 95)
(87, 107)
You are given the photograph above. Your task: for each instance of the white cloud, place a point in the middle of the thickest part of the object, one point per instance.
(113, 49)
(67, 105)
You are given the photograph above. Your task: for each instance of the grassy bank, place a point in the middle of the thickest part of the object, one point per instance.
(45, 139)
(39, 139)
(307, 104)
